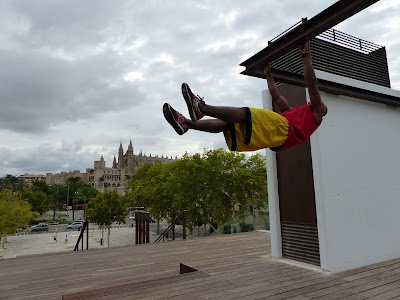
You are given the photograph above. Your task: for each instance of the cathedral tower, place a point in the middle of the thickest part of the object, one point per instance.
(120, 157)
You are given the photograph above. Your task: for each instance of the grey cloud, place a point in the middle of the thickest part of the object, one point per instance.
(71, 24)
(37, 91)
(63, 64)
(43, 158)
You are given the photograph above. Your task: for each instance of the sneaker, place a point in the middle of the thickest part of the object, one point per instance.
(194, 103)
(176, 119)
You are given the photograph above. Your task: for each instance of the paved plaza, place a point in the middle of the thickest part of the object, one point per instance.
(51, 242)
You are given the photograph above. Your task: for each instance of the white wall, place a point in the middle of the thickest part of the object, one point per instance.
(356, 167)
(273, 196)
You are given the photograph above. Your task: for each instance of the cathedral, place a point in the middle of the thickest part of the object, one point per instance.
(101, 176)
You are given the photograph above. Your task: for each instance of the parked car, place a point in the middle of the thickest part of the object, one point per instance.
(75, 224)
(79, 206)
(77, 221)
(131, 217)
(40, 227)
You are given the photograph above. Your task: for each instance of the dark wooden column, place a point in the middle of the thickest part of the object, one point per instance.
(296, 193)
(142, 220)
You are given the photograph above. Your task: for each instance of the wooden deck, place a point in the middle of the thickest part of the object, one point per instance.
(235, 266)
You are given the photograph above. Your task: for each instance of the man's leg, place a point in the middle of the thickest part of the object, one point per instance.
(182, 125)
(198, 108)
(212, 126)
(225, 113)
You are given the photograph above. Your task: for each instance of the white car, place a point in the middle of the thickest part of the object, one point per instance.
(75, 224)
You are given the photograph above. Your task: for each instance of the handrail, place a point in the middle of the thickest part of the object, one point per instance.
(303, 20)
(349, 41)
(182, 214)
(85, 226)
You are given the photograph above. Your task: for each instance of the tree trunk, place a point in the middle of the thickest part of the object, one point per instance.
(108, 236)
(54, 210)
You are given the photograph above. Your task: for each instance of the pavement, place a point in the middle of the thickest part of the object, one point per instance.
(49, 242)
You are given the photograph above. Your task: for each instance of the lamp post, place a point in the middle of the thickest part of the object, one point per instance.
(68, 203)
(73, 208)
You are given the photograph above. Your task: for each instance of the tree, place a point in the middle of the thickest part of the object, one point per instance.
(37, 199)
(222, 184)
(107, 208)
(74, 184)
(40, 185)
(85, 194)
(214, 187)
(13, 213)
(148, 188)
(58, 195)
(12, 183)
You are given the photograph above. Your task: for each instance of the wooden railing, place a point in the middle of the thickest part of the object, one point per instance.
(172, 227)
(85, 227)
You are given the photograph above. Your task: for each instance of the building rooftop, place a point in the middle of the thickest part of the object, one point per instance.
(332, 51)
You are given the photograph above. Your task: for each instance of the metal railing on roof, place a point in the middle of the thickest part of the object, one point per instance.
(348, 41)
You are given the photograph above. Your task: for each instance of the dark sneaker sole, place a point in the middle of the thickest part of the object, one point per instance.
(170, 119)
(186, 96)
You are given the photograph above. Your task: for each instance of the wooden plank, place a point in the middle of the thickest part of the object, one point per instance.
(131, 288)
(393, 294)
(253, 275)
(378, 291)
(318, 291)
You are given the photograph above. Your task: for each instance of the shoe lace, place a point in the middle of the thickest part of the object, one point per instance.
(200, 101)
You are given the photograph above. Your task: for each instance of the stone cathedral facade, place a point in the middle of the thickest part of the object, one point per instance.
(111, 177)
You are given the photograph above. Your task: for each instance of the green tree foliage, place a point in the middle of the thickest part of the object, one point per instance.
(12, 183)
(37, 199)
(149, 188)
(74, 184)
(58, 195)
(107, 208)
(40, 185)
(214, 187)
(14, 213)
(85, 193)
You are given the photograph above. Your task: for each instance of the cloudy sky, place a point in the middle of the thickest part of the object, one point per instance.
(79, 77)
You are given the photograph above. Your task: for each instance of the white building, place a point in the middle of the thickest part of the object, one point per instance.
(335, 200)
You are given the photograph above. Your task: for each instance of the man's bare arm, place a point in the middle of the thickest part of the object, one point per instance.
(280, 101)
(318, 105)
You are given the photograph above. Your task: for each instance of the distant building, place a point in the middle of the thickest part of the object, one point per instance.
(61, 178)
(114, 177)
(29, 178)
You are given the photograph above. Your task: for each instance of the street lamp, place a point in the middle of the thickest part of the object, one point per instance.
(73, 208)
(68, 202)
